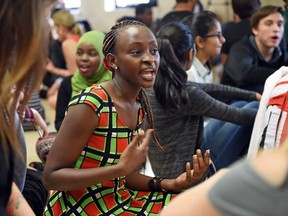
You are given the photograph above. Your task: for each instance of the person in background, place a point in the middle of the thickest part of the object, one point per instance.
(286, 17)
(257, 56)
(69, 33)
(182, 9)
(250, 187)
(22, 60)
(99, 175)
(91, 70)
(178, 107)
(34, 101)
(242, 10)
(144, 13)
(270, 127)
(206, 29)
(207, 33)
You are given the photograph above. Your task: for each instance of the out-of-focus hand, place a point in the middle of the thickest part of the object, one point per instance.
(258, 96)
(40, 124)
(50, 66)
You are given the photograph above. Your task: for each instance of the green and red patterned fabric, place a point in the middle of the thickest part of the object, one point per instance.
(104, 148)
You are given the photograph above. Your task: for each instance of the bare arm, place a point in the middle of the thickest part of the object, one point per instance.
(17, 205)
(140, 182)
(69, 48)
(194, 200)
(57, 71)
(74, 133)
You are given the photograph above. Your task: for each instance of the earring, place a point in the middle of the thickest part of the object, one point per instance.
(116, 68)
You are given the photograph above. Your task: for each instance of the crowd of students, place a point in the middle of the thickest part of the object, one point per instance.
(141, 92)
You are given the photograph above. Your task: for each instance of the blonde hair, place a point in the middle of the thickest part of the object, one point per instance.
(22, 59)
(65, 18)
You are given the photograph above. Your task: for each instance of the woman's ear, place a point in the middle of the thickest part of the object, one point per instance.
(199, 41)
(191, 54)
(189, 59)
(111, 59)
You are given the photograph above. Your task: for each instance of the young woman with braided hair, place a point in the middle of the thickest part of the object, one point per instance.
(93, 162)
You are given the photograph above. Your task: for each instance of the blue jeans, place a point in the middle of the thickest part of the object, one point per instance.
(227, 141)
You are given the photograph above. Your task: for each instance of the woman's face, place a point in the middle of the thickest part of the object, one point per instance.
(61, 32)
(213, 41)
(136, 56)
(87, 59)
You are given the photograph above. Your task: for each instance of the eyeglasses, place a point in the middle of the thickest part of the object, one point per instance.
(218, 35)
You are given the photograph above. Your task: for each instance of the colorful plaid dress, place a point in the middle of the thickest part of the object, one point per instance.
(104, 148)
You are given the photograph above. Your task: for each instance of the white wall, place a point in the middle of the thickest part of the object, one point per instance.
(93, 10)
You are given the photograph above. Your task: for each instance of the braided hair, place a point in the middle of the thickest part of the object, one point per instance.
(109, 47)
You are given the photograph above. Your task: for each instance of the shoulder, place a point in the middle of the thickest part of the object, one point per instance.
(243, 45)
(69, 43)
(94, 96)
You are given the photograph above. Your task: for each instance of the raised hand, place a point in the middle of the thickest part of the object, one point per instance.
(191, 176)
(135, 155)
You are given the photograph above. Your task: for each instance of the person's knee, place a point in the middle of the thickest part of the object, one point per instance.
(252, 105)
(239, 104)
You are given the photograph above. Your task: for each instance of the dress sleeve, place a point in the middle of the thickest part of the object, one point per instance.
(93, 96)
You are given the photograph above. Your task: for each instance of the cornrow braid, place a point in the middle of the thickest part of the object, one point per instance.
(111, 37)
(109, 47)
(147, 109)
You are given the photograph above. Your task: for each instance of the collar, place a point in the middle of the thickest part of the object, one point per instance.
(277, 53)
(201, 69)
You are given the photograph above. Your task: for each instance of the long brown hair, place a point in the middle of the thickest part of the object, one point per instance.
(22, 59)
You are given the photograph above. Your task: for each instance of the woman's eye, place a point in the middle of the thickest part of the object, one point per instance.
(135, 52)
(93, 54)
(154, 51)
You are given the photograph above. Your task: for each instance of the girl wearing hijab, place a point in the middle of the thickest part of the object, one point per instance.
(89, 60)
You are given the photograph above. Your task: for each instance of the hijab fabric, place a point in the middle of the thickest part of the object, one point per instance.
(80, 82)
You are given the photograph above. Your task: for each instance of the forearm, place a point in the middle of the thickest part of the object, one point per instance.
(17, 205)
(60, 72)
(137, 181)
(69, 179)
(227, 93)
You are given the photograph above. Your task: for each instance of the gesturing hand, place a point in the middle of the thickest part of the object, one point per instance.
(200, 166)
(135, 155)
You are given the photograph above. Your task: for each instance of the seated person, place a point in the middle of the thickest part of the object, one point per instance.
(182, 9)
(69, 32)
(235, 31)
(208, 41)
(270, 127)
(144, 13)
(89, 60)
(178, 108)
(256, 57)
(251, 187)
(95, 157)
